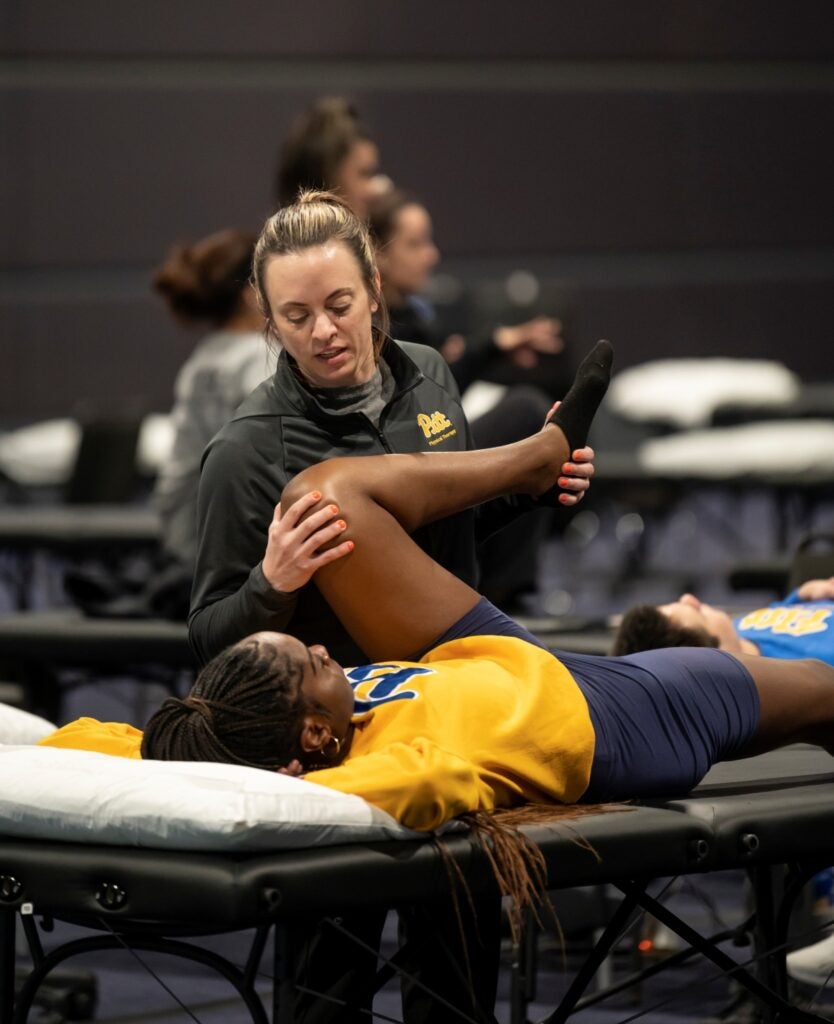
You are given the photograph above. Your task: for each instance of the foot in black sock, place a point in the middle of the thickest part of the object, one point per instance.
(580, 404)
(575, 414)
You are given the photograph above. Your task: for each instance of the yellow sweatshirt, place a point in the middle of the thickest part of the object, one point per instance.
(479, 723)
(115, 738)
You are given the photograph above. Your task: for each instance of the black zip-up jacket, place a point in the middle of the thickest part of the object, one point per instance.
(279, 430)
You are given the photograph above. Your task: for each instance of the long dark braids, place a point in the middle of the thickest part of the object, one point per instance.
(244, 708)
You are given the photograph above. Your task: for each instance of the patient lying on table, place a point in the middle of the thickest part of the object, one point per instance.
(463, 709)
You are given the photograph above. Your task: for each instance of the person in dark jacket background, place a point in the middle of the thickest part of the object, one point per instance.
(328, 147)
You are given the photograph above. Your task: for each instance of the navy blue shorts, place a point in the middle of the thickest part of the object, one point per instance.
(661, 718)
(484, 620)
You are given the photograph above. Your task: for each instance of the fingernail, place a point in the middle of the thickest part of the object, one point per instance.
(342, 524)
(563, 481)
(334, 509)
(350, 545)
(316, 495)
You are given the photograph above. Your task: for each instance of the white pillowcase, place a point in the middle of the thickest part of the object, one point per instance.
(18, 726)
(81, 796)
(686, 392)
(748, 450)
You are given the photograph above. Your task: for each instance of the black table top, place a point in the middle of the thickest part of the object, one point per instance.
(74, 527)
(67, 637)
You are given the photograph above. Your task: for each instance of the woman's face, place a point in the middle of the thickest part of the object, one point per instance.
(323, 680)
(321, 313)
(355, 177)
(408, 257)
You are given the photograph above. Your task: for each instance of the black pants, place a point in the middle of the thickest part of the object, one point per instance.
(328, 962)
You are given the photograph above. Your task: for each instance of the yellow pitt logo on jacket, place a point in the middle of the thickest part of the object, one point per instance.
(436, 427)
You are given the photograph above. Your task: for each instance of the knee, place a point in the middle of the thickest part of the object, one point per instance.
(331, 478)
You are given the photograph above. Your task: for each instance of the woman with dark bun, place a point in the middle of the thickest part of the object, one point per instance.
(329, 148)
(207, 283)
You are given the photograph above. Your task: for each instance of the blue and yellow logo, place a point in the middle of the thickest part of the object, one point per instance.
(436, 427)
(801, 621)
(380, 684)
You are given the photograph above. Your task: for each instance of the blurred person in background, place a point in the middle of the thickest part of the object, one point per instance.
(329, 148)
(798, 626)
(406, 254)
(801, 625)
(207, 284)
(402, 230)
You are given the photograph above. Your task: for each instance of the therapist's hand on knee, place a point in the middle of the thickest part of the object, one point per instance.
(298, 543)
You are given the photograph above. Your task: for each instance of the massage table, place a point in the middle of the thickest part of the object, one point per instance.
(35, 646)
(571, 633)
(74, 529)
(716, 473)
(771, 816)
(150, 899)
(107, 532)
(161, 853)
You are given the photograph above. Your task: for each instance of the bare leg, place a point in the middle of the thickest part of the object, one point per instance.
(390, 595)
(797, 702)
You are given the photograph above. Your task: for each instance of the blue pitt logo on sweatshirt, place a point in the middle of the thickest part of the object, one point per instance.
(381, 684)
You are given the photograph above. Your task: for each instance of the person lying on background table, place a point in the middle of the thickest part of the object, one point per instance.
(798, 626)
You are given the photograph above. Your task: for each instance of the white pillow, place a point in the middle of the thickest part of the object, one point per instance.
(81, 796)
(42, 454)
(801, 450)
(17, 726)
(686, 392)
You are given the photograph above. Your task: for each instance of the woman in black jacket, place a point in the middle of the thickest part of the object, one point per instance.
(341, 387)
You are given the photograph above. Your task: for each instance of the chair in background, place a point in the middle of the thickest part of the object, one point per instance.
(105, 469)
(812, 559)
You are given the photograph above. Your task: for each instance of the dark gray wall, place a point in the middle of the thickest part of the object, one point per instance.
(668, 164)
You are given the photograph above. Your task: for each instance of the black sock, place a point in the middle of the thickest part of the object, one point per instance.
(580, 404)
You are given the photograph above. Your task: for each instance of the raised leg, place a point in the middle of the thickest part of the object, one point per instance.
(797, 702)
(389, 594)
